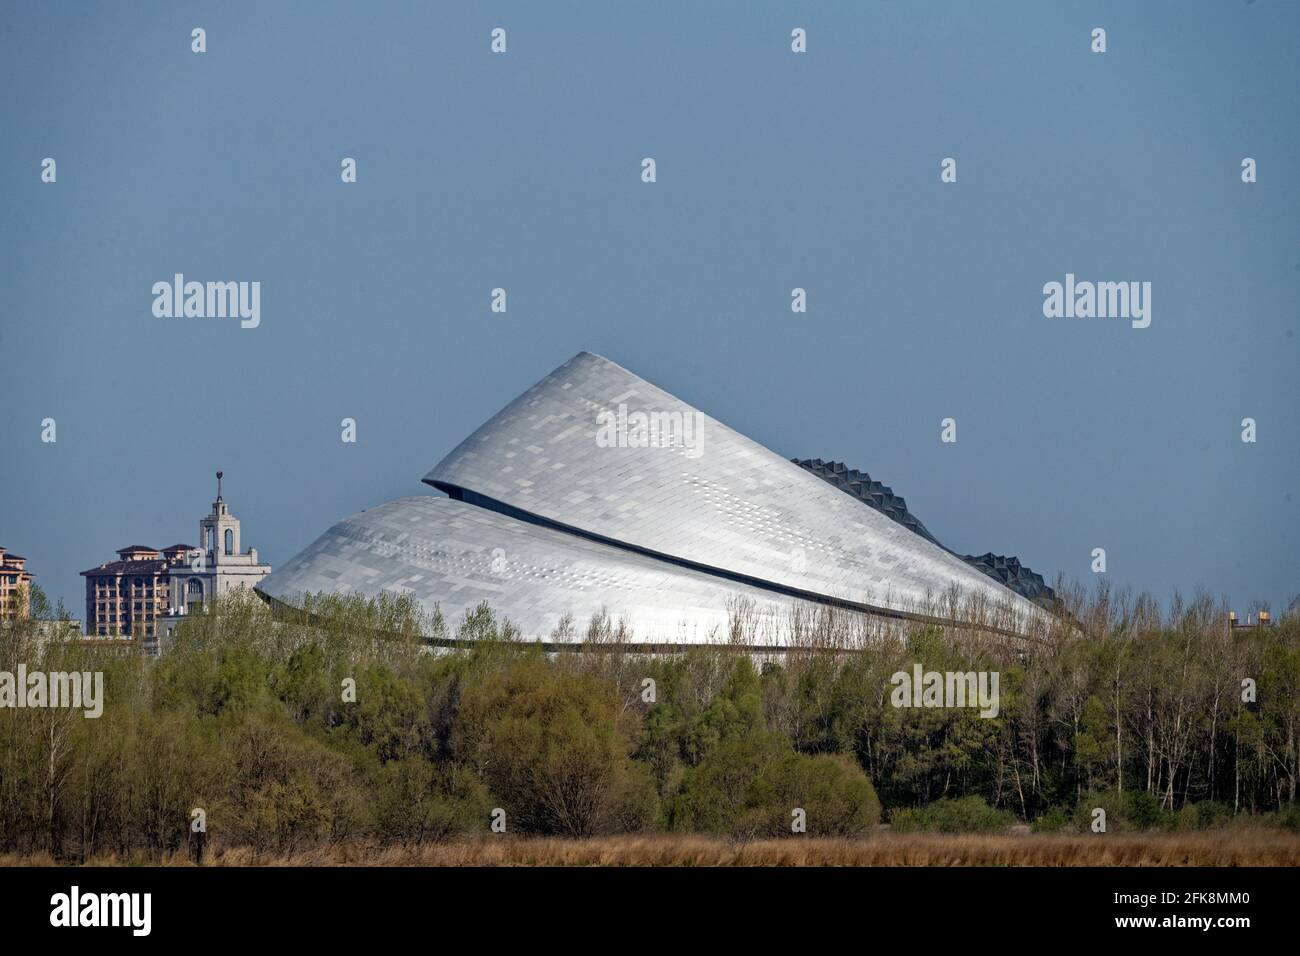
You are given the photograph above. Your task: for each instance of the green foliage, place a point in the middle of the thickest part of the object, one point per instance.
(416, 801)
(834, 793)
(553, 748)
(1055, 820)
(1131, 810)
(288, 790)
(715, 793)
(951, 815)
(1211, 814)
(747, 781)
(1112, 801)
(245, 718)
(1144, 811)
(389, 716)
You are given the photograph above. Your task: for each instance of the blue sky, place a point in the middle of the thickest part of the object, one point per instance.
(775, 170)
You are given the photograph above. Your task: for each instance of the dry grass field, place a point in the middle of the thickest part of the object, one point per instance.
(1213, 848)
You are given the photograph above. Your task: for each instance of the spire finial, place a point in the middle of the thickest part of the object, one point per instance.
(219, 486)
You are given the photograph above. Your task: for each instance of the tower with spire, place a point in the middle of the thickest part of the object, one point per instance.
(219, 531)
(214, 569)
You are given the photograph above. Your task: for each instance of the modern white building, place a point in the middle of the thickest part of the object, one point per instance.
(595, 490)
(215, 568)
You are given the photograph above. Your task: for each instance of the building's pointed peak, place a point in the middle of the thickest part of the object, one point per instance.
(587, 359)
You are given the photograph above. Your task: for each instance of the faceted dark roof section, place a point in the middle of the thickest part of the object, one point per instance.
(1006, 570)
(861, 486)
(1013, 574)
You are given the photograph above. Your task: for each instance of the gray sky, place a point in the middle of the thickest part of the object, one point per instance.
(775, 170)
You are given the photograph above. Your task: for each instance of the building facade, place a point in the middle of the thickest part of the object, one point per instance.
(147, 592)
(15, 585)
(125, 598)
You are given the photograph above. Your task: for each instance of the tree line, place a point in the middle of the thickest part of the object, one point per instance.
(342, 724)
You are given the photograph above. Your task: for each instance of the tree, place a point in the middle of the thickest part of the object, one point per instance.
(553, 748)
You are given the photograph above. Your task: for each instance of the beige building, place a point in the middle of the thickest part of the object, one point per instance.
(147, 592)
(125, 598)
(15, 584)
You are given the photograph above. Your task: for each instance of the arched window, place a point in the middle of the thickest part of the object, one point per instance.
(193, 595)
(230, 541)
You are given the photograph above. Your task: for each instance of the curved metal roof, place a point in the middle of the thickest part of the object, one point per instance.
(455, 555)
(728, 503)
(595, 489)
